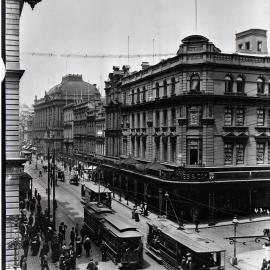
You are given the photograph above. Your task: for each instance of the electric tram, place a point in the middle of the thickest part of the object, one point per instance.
(175, 248)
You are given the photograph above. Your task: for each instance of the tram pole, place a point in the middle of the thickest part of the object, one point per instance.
(53, 186)
(49, 208)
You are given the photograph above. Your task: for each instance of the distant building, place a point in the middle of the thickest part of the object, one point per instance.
(48, 119)
(195, 126)
(26, 124)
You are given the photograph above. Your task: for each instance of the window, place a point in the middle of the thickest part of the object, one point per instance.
(157, 119)
(157, 90)
(240, 84)
(247, 44)
(209, 111)
(144, 119)
(240, 152)
(144, 95)
(240, 117)
(240, 46)
(172, 86)
(228, 84)
(195, 83)
(133, 121)
(165, 118)
(157, 144)
(165, 148)
(173, 117)
(260, 85)
(138, 120)
(132, 146)
(259, 46)
(138, 95)
(173, 150)
(228, 153)
(143, 148)
(260, 149)
(195, 113)
(138, 139)
(132, 97)
(194, 152)
(165, 88)
(260, 117)
(228, 116)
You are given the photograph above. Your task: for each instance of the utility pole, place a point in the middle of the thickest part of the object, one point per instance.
(49, 208)
(53, 186)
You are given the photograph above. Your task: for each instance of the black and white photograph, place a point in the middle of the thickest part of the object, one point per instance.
(135, 134)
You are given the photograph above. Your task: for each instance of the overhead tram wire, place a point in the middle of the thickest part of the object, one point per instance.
(69, 55)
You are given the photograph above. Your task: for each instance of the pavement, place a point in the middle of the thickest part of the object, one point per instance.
(70, 211)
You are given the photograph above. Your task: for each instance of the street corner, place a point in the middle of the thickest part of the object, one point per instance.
(252, 260)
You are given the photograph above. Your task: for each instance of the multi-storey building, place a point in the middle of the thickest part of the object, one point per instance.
(25, 124)
(196, 126)
(12, 163)
(49, 110)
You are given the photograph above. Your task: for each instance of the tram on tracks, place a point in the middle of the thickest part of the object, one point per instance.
(91, 192)
(121, 241)
(175, 248)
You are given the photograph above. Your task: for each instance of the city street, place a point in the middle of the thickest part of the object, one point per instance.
(70, 210)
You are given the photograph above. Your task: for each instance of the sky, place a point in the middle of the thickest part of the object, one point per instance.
(103, 26)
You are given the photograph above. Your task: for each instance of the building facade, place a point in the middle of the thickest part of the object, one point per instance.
(100, 131)
(12, 165)
(195, 126)
(48, 120)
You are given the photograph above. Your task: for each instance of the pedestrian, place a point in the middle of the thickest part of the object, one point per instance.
(25, 246)
(76, 230)
(62, 229)
(32, 207)
(133, 211)
(40, 173)
(62, 262)
(22, 229)
(90, 265)
(27, 204)
(45, 262)
(264, 264)
(39, 208)
(38, 198)
(36, 193)
(72, 236)
(196, 221)
(72, 262)
(30, 219)
(78, 247)
(103, 251)
(83, 232)
(87, 246)
(137, 218)
(60, 238)
(145, 210)
(21, 260)
(24, 264)
(22, 204)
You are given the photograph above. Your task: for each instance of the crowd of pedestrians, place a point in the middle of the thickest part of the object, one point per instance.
(39, 238)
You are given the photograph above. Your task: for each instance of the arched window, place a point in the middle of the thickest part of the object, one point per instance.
(172, 86)
(228, 84)
(195, 83)
(138, 95)
(165, 88)
(144, 94)
(260, 85)
(240, 83)
(157, 90)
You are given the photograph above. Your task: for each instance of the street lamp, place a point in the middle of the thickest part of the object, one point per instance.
(235, 224)
(166, 198)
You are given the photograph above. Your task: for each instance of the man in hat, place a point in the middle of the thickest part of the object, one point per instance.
(87, 246)
(90, 265)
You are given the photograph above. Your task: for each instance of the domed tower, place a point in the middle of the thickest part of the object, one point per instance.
(48, 124)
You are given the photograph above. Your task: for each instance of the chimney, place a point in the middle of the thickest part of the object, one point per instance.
(145, 65)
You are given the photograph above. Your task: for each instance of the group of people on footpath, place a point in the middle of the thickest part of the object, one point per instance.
(40, 238)
(265, 264)
(139, 209)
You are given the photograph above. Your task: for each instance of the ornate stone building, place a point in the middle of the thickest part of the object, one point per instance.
(196, 126)
(12, 164)
(49, 110)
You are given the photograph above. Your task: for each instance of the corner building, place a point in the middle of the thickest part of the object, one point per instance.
(196, 126)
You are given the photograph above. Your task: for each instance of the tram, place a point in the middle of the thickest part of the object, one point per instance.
(94, 215)
(121, 241)
(175, 248)
(91, 192)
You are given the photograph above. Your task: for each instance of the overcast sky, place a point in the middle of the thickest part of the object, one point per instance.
(103, 26)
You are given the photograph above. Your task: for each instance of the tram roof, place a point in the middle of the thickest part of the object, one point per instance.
(120, 223)
(97, 208)
(122, 234)
(192, 241)
(95, 188)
